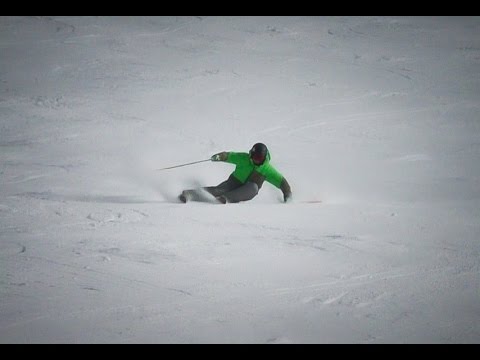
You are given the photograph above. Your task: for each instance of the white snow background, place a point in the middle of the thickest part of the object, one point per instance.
(377, 117)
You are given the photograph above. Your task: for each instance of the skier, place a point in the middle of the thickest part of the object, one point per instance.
(251, 170)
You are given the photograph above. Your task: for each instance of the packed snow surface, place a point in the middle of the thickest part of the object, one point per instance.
(376, 117)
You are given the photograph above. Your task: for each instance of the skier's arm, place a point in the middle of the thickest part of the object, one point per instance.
(277, 179)
(287, 191)
(231, 157)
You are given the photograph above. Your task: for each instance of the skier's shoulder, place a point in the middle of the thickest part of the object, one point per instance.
(272, 175)
(269, 169)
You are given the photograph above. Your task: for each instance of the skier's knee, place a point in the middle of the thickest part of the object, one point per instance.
(252, 190)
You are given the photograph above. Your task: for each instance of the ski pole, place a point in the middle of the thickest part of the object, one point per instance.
(172, 167)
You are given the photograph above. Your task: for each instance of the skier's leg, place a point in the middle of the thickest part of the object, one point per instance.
(243, 193)
(228, 185)
(194, 195)
(197, 194)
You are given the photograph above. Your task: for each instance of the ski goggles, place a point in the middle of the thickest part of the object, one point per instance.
(257, 158)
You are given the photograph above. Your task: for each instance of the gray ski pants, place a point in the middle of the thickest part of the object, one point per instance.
(233, 190)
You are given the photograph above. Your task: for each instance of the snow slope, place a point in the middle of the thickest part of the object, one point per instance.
(375, 116)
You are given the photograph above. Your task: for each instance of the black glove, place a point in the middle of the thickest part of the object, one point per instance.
(287, 197)
(219, 157)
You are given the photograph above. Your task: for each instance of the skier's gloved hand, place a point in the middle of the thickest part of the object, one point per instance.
(287, 197)
(219, 157)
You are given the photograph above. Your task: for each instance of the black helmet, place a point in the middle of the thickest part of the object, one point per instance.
(258, 153)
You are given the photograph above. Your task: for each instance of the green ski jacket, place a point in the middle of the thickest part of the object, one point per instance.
(246, 170)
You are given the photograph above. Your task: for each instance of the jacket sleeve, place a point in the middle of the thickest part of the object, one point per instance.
(236, 158)
(275, 178)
